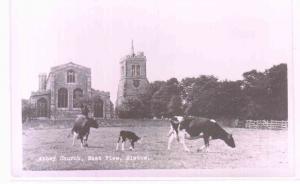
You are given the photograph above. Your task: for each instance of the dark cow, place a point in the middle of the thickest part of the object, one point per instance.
(81, 129)
(196, 127)
(132, 137)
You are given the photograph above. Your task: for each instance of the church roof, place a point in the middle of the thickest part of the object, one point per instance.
(69, 65)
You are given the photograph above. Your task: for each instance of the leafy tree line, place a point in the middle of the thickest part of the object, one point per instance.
(260, 95)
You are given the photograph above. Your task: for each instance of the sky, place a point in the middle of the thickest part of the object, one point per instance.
(180, 38)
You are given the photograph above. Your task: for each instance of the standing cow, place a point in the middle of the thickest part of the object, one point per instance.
(81, 129)
(130, 136)
(196, 127)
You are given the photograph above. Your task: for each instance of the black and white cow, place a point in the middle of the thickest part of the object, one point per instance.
(197, 127)
(81, 129)
(128, 135)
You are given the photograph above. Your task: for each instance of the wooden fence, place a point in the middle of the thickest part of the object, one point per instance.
(266, 124)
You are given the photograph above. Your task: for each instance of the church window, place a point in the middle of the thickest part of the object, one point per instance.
(77, 94)
(133, 70)
(70, 76)
(138, 68)
(62, 98)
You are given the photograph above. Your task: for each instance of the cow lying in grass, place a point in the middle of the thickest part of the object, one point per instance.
(196, 127)
(81, 129)
(128, 135)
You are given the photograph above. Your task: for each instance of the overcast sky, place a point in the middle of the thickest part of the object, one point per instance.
(180, 38)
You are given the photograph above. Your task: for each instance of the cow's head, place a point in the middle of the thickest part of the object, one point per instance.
(175, 121)
(174, 124)
(91, 122)
(229, 140)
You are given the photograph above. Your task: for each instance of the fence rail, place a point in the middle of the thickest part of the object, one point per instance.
(266, 124)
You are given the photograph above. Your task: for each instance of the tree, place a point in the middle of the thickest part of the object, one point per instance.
(229, 99)
(255, 89)
(155, 86)
(200, 100)
(278, 91)
(146, 101)
(175, 106)
(161, 98)
(27, 110)
(131, 108)
(266, 93)
(186, 86)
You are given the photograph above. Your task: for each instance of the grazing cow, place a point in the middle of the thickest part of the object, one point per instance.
(132, 137)
(196, 127)
(81, 129)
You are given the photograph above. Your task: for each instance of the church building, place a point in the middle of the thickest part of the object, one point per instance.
(59, 92)
(133, 81)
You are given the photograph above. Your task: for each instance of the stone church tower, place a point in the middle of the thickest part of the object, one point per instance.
(133, 81)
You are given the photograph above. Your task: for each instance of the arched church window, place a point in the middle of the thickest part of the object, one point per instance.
(133, 70)
(42, 108)
(70, 76)
(138, 68)
(77, 93)
(62, 98)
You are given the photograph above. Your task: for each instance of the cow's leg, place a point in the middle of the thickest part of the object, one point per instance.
(117, 147)
(171, 138)
(132, 145)
(82, 142)
(123, 145)
(75, 135)
(206, 142)
(182, 140)
(123, 142)
(202, 147)
(86, 139)
(171, 131)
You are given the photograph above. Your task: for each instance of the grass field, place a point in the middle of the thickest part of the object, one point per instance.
(51, 149)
